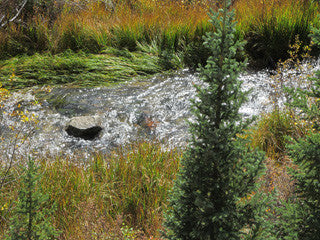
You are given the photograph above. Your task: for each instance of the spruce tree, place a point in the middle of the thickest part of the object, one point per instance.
(305, 153)
(218, 169)
(31, 216)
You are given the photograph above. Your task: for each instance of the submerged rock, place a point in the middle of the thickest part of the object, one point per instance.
(85, 127)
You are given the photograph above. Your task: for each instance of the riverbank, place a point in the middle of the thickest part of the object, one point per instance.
(166, 27)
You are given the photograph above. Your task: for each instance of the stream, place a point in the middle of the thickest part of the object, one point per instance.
(144, 108)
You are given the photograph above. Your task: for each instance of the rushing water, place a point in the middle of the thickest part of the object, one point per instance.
(154, 108)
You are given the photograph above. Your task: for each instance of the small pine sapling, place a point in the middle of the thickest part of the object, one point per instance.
(218, 169)
(31, 216)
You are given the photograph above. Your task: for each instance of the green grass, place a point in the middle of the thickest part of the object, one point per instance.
(76, 69)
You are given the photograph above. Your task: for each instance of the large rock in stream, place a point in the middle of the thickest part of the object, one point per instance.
(85, 127)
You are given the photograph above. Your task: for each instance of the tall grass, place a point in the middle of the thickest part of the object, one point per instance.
(271, 26)
(272, 131)
(94, 26)
(107, 197)
(268, 26)
(20, 39)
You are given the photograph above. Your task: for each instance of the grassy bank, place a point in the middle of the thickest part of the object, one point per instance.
(172, 26)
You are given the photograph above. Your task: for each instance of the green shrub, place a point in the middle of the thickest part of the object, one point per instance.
(308, 102)
(306, 154)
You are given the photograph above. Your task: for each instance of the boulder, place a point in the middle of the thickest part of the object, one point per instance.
(85, 127)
